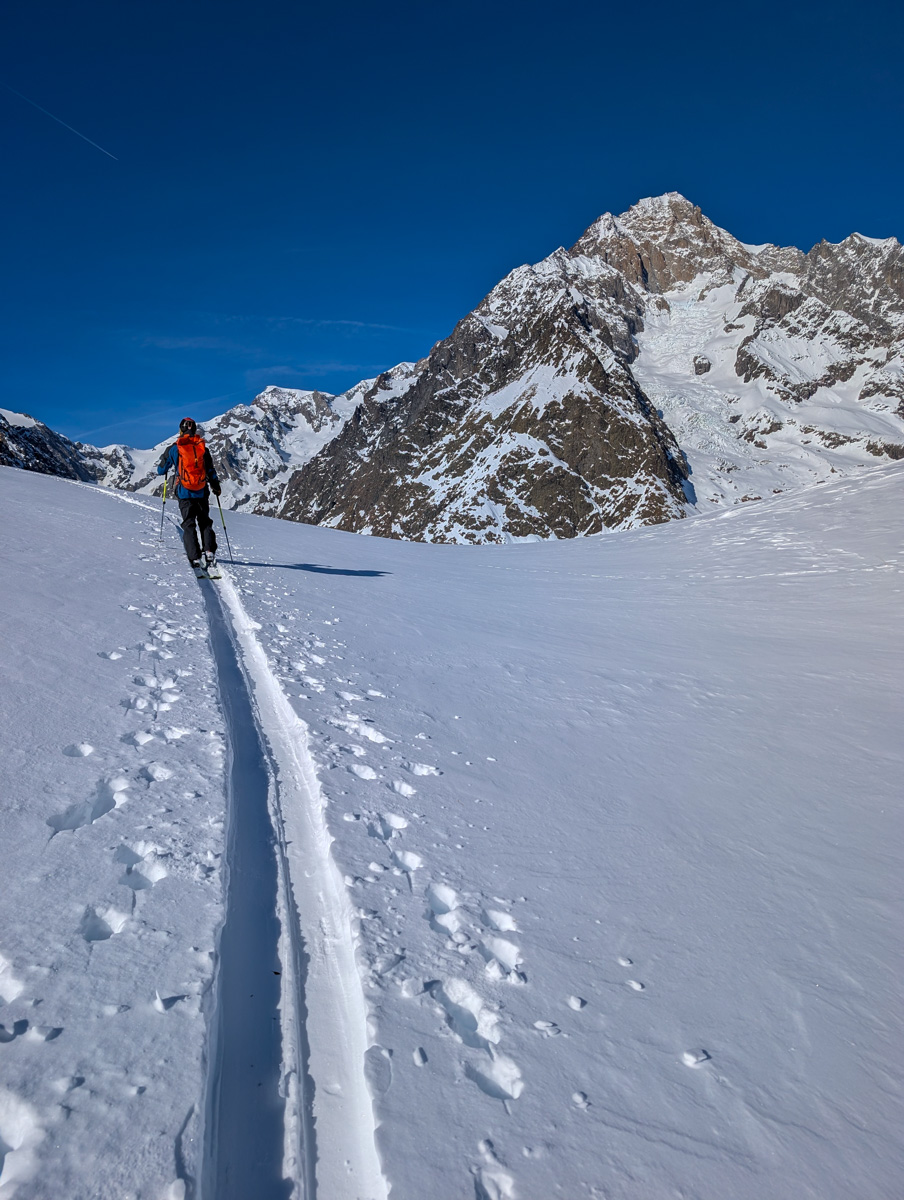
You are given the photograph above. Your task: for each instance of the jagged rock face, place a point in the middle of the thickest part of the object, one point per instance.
(860, 276)
(583, 390)
(524, 422)
(33, 446)
(665, 242)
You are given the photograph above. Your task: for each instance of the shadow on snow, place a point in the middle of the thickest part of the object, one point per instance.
(313, 567)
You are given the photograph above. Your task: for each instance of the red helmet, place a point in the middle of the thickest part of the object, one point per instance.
(188, 427)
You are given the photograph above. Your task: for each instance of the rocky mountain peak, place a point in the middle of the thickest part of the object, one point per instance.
(656, 366)
(288, 401)
(667, 219)
(528, 418)
(663, 242)
(285, 405)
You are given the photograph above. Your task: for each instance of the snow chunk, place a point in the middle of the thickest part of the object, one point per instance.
(18, 419)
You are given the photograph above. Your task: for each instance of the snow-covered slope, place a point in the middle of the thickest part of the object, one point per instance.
(772, 368)
(615, 836)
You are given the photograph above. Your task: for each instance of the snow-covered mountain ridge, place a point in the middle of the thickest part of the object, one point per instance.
(256, 446)
(658, 365)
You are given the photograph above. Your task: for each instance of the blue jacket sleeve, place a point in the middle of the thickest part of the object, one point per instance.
(168, 461)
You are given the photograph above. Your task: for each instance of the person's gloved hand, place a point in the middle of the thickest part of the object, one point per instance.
(215, 488)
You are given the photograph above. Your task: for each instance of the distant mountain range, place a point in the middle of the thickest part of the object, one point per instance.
(657, 365)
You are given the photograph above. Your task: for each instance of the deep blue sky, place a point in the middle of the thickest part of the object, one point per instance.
(306, 194)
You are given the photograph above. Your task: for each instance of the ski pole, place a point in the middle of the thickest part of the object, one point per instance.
(163, 510)
(223, 519)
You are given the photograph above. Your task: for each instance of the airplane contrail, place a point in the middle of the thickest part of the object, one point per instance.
(34, 104)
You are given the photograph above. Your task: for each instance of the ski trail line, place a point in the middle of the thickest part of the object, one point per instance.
(324, 1014)
(246, 1130)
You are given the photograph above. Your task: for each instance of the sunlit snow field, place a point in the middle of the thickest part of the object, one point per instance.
(617, 852)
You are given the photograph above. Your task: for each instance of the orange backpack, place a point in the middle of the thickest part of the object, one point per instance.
(192, 474)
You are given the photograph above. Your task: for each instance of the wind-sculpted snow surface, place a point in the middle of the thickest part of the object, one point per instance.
(594, 846)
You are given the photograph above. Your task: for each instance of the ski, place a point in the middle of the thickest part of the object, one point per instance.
(210, 570)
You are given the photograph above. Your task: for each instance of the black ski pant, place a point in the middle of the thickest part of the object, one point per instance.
(197, 509)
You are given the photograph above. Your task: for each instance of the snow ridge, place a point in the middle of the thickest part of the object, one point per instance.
(337, 1026)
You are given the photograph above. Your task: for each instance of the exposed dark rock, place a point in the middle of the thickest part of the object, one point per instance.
(33, 446)
(888, 449)
(526, 420)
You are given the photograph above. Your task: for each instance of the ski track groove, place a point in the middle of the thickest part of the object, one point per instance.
(246, 1131)
(324, 1014)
